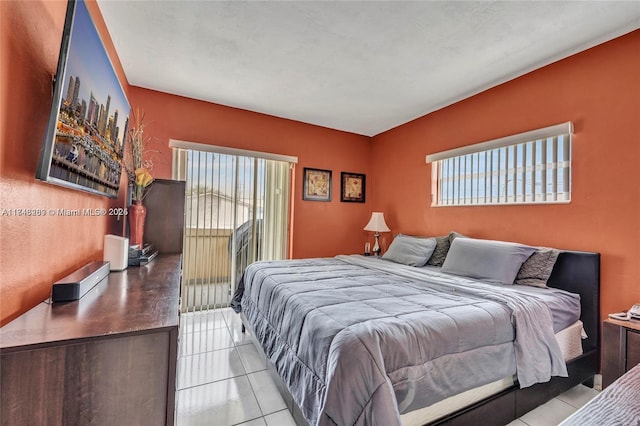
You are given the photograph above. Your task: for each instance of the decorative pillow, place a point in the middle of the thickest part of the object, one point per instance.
(488, 260)
(536, 270)
(440, 252)
(442, 248)
(453, 235)
(412, 251)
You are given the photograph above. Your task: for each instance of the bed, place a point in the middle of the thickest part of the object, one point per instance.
(355, 340)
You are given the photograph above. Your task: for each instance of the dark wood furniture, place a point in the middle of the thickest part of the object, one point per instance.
(619, 404)
(106, 359)
(574, 271)
(620, 348)
(164, 224)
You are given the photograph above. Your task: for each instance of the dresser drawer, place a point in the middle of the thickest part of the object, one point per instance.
(633, 349)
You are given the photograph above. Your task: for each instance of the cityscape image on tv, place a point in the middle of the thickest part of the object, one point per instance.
(93, 117)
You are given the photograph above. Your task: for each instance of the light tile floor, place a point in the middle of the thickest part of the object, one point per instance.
(223, 381)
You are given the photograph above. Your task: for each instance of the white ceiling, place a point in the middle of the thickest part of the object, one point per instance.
(362, 67)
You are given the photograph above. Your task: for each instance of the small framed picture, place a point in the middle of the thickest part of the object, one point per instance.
(317, 185)
(353, 187)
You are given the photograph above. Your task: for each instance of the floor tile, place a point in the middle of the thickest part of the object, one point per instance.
(280, 418)
(226, 311)
(267, 393)
(255, 422)
(240, 338)
(233, 320)
(597, 382)
(226, 402)
(579, 395)
(516, 422)
(205, 341)
(202, 320)
(251, 359)
(548, 414)
(208, 367)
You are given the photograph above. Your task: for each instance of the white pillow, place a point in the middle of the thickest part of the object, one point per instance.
(412, 251)
(488, 260)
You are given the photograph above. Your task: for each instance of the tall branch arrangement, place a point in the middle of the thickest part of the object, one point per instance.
(136, 158)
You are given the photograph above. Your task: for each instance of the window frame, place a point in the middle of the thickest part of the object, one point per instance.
(516, 169)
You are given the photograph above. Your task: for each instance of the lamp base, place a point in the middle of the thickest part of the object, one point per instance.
(376, 246)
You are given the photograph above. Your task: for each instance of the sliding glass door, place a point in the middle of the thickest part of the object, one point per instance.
(237, 212)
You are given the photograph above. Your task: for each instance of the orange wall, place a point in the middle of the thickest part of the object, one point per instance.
(36, 251)
(599, 91)
(320, 228)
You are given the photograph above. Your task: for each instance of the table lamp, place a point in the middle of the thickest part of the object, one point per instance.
(377, 224)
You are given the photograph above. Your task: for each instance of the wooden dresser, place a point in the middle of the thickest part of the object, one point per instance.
(620, 348)
(106, 359)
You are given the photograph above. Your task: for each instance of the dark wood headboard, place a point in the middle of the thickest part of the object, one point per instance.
(579, 272)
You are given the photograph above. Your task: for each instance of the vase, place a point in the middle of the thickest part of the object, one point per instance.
(137, 214)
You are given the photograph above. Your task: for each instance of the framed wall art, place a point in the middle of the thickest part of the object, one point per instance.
(317, 185)
(89, 114)
(353, 187)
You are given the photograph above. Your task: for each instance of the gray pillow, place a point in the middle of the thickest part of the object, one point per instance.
(440, 252)
(495, 261)
(537, 269)
(412, 251)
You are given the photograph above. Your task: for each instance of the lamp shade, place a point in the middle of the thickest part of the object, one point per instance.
(377, 223)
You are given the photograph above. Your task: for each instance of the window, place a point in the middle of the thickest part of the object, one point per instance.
(236, 212)
(529, 168)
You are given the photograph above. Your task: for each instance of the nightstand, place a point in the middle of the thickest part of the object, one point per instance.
(620, 348)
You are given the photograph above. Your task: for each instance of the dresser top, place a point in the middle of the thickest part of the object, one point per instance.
(137, 299)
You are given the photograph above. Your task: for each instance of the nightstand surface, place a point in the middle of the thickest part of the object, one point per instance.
(631, 324)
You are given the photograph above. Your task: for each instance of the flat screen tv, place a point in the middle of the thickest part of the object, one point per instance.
(89, 118)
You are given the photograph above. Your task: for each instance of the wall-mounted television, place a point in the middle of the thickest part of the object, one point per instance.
(89, 118)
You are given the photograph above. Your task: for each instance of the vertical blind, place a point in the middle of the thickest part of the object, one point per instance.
(532, 167)
(237, 212)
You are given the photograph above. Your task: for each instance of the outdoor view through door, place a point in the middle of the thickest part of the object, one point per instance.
(236, 212)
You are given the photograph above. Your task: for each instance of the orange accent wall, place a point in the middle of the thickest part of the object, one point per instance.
(36, 251)
(319, 228)
(599, 91)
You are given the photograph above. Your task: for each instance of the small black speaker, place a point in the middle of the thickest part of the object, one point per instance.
(78, 283)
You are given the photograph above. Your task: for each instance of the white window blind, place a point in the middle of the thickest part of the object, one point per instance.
(236, 212)
(527, 168)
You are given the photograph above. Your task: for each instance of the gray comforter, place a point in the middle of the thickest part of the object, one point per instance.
(359, 341)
